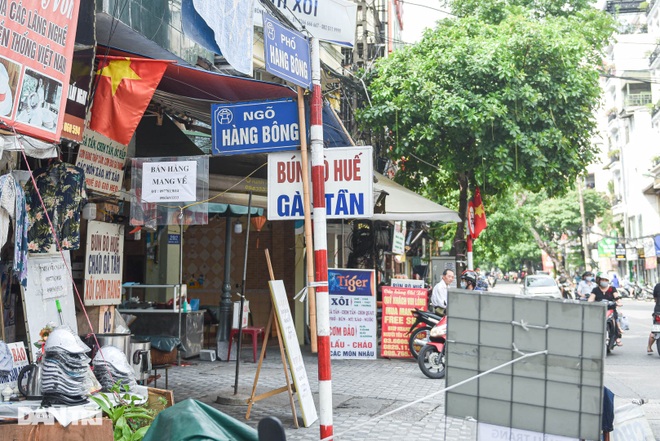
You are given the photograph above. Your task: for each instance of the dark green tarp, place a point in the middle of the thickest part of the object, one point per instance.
(193, 420)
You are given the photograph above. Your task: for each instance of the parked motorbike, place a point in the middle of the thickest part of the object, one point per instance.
(655, 330)
(420, 329)
(431, 357)
(610, 327)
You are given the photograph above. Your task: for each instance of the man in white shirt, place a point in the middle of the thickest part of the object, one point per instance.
(439, 295)
(585, 286)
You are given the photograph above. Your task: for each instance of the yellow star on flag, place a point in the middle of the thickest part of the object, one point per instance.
(117, 70)
(479, 211)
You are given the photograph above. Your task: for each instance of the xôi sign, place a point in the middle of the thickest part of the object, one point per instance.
(103, 263)
(348, 184)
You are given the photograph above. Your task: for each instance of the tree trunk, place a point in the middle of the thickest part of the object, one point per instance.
(459, 247)
(548, 249)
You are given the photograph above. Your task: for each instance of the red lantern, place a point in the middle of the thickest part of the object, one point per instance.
(258, 223)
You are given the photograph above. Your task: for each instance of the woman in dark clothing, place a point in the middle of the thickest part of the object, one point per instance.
(604, 291)
(656, 310)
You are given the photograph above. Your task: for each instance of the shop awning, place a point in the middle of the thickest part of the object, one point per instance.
(402, 204)
(233, 209)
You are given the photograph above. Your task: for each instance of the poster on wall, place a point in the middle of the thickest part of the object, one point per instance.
(39, 306)
(19, 356)
(397, 319)
(353, 324)
(103, 263)
(36, 53)
(103, 160)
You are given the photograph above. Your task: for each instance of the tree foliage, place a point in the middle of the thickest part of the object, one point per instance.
(492, 101)
(523, 223)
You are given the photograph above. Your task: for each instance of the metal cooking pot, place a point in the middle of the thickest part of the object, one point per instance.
(121, 341)
(33, 372)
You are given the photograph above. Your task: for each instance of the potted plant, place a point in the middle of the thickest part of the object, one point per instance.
(130, 420)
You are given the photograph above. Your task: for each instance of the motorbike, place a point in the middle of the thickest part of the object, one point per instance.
(610, 327)
(492, 280)
(431, 359)
(655, 330)
(420, 329)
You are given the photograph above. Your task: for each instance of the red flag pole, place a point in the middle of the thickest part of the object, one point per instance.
(320, 247)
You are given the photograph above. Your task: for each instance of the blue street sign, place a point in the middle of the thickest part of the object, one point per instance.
(286, 53)
(255, 127)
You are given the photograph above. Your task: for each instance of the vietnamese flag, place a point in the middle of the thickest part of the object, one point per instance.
(124, 87)
(476, 215)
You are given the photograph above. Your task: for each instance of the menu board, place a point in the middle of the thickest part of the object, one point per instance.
(296, 362)
(397, 319)
(353, 324)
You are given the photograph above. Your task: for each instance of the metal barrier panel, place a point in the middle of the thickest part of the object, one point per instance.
(558, 393)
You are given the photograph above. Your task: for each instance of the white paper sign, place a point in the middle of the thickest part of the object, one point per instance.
(172, 181)
(399, 237)
(407, 283)
(103, 263)
(19, 354)
(103, 161)
(296, 362)
(53, 275)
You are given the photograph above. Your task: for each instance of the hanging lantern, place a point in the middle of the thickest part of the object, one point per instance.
(258, 223)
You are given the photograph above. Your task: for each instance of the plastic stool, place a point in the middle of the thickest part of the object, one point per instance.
(254, 332)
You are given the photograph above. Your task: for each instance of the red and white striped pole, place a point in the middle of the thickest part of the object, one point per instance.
(320, 247)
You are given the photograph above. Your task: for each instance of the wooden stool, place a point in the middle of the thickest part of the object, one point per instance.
(155, 368)
(254, 332)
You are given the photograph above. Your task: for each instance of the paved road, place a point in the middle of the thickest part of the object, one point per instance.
(363, 390)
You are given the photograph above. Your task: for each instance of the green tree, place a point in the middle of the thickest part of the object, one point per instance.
(524, 223)
(492, 100)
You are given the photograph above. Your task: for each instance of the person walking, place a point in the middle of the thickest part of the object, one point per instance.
(656, 310)
(439, 295)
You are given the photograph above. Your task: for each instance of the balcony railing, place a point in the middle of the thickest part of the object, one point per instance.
(654, 55)
(638, 99)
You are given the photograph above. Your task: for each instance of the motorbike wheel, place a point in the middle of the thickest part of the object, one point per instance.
(432, 362)
(611, 338)
(423, 333)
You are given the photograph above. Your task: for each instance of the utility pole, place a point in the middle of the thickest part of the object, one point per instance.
(585, 248)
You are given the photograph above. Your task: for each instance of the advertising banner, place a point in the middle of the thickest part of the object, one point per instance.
(103, 263)
(255, 127)
(353, 324)
(327, 20)
(620, 251)
(649, 247)
(103, 160)
(348, 184)
(286, 53)
(19, 355)
(399, 237)
(606, 247)
(81, 74)
(397, 319)
(36, 51)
